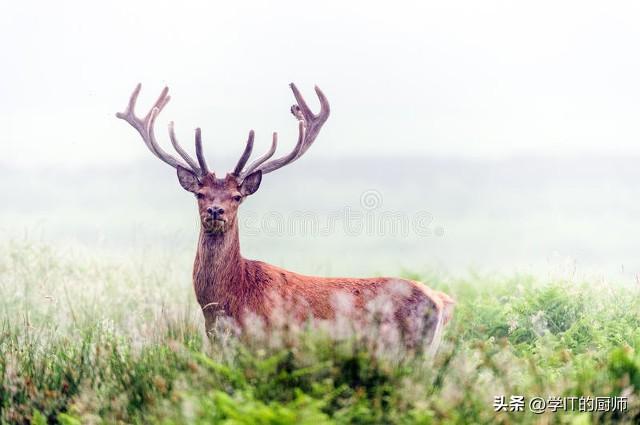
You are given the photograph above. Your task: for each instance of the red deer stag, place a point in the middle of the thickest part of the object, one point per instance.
(226, 284)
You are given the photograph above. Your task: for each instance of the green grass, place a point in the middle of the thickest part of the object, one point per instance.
(86, 340)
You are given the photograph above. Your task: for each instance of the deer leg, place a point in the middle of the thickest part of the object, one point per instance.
(210, 323)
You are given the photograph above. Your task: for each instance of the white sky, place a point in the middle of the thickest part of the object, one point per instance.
(472, 78)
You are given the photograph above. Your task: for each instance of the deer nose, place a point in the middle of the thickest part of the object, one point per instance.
(215, 211)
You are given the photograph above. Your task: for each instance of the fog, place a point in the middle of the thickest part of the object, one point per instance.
(473, 135)
(567, 218)
(461, 78)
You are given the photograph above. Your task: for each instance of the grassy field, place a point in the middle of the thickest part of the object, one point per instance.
(91, 340)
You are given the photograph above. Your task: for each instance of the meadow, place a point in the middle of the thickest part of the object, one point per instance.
(87, 340)
(99, 324)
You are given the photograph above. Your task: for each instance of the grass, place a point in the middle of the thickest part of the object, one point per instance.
(85, 340)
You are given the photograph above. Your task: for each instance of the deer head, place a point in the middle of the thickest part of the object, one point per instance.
(219, 198)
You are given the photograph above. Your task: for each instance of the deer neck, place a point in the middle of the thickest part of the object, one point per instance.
(218, 261)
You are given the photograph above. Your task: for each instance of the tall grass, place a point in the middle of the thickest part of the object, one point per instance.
(86, 340)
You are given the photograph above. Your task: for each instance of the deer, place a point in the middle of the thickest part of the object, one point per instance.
(228, 285)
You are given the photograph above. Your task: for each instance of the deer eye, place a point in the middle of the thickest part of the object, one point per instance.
(199, 195)
(237, 198)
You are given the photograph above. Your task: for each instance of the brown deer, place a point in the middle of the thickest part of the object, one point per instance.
(226, 284)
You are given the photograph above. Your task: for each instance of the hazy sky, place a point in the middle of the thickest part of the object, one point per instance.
(472, 78)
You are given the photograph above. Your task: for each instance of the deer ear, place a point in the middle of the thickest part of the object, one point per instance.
(251, 183)
(188, 180)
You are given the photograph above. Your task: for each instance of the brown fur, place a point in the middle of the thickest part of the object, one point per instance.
(226, 284)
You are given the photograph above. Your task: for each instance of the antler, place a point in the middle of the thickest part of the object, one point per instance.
(308, 128)
(245, 155)
(145, 127)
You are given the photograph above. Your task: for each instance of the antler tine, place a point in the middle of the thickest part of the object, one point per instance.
(161, 153)
(146, 129)
(199, 152)
(308, 129)
(129, 115)
(182, 152)
(302, 104)
(290, 157)
(129, 112)
(245, 155)
(255, 164)
(312, 121)
(160, 103)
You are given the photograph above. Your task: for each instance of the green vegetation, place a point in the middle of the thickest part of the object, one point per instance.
(84, 340)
